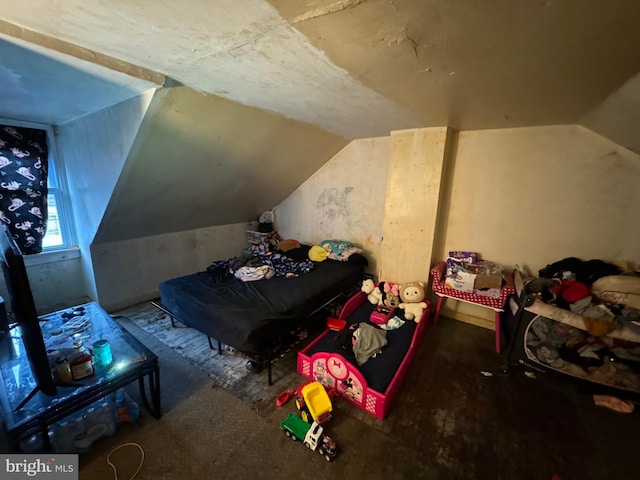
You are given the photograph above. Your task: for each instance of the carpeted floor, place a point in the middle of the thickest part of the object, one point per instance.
(227, 370)
(456, 417)
(211, 431)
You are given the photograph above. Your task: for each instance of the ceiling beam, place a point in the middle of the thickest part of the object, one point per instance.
(81, 53)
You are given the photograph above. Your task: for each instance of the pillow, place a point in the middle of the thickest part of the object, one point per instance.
(335, 246)
(288, 244)
(345, 254)
(340, 250)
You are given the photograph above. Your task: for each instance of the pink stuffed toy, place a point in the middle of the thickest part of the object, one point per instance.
(390, 294)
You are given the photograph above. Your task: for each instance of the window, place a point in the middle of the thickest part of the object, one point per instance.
(59, 226)
(59, 233)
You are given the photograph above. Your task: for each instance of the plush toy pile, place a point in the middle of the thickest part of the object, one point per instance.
(409, 296)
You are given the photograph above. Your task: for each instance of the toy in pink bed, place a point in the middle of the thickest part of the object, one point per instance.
(381, 314)
(390, 293)
(413, 304)
(374, 295)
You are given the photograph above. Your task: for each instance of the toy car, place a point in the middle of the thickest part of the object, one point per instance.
(313, 402)
(312, 435)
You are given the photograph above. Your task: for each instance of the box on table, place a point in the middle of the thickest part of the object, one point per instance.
(493, 280)
(462, 281)
(488, 275)
(460, 261)
(468, 282)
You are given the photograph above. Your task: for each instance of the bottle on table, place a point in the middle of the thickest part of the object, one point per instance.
(81, 362)
(64, 370)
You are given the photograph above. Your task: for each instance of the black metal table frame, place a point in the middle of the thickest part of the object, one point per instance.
(146, 368)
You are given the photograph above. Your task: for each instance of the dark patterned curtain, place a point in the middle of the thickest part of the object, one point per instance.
(23, 185)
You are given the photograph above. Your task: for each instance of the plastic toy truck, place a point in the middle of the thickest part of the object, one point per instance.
(312, 435)
(313, 402)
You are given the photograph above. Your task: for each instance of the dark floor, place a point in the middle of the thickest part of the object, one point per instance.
(509, 426)
(464, 418)
(457, 417)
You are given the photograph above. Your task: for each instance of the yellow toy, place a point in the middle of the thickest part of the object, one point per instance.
(313, 402)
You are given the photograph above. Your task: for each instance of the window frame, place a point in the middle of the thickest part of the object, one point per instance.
(57, 186)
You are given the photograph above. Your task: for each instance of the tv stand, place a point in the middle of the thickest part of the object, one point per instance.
(28, 411)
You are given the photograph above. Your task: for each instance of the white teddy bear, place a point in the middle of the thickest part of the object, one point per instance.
(374, 295)
(412, 295)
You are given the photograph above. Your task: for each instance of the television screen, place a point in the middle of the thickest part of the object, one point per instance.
(26, 316)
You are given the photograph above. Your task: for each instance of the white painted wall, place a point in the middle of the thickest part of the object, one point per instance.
(57, 285)
(130, 271)
(618, 116)
(527, 196)
(532, 196)
(54, 285)
(93, 150)
(344, 199)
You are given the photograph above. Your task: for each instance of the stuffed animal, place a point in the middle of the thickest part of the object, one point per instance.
(374, 295)
(412, 295)
(318, 254)
(390, 294)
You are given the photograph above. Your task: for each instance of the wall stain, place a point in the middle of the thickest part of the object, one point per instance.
(335, 202)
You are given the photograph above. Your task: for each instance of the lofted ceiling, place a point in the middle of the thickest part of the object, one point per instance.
(355, 68)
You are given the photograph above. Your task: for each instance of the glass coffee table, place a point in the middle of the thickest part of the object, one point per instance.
(27, 417)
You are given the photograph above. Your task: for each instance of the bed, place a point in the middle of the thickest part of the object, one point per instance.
(548, 339)
(374, 385)
(257, 317)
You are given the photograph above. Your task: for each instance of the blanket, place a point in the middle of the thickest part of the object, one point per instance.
(620, 289)
(259, 266)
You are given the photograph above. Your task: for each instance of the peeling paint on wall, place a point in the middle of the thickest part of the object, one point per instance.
(327, 10)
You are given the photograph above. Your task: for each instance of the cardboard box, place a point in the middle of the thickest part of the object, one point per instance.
(462, 281)
(488, 281)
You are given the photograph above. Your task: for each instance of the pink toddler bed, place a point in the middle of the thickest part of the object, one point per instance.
(374, 385)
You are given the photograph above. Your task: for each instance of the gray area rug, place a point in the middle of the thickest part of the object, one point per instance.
(227, 370)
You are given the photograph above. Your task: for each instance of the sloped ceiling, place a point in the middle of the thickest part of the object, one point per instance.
(44, 86)
(358, 68)
(351, 68)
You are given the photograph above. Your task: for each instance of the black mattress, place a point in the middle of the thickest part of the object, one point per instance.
(377, 371)
(251, 316)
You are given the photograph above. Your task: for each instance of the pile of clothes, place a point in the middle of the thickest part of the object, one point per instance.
(605, 295)
(260, 265)
(365, 340)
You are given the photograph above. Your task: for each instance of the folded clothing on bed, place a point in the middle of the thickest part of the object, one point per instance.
(258, 266)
